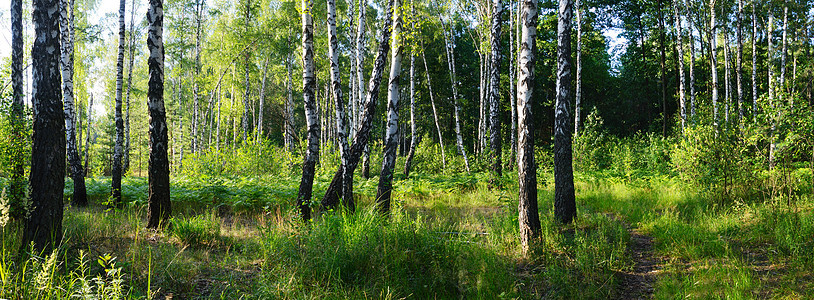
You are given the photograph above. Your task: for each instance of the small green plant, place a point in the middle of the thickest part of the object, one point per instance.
(196, 230)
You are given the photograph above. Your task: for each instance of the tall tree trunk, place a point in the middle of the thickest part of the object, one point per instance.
(246, 112)
(770, 65)
(713, 62)
(43, 227)
(309, 100)
(578, 95)
(727, 77)
(494, 87)
(783, 51)
(450, 46)
(360, 59)
(118, 148)
(513, 26)
(663, 73)
(680, 50)
(360, 139)
(66, 66)
(528, 217)
(88, 136)
(754, 59)
(390, 140)
(158, 195)
(289, 100)
(739, 62)
(692, 61)
(434, 110)
(413, 128)
(196, 141)
(345, 191)
(217, 125)
(18, 184)
(565, 209)
(262, 99)
(132, 46)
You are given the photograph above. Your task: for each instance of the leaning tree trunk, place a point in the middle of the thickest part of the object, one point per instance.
(434, 111)
(450, 46)
(66, 65)
(309, 101)
(494, 90)
(132, 45)
(345, 191)
(564, 204)
(391, 137)
(578, 99)
(43, 227)
(680, 50)
(528, 215)
(413, 129)
(360, 59)
(159, 206)
(118, 148)
(362, 136)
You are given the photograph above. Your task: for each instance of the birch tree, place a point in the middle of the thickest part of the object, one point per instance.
(259, 138)
(118, 150)
(309, 102)
(578, 98)
(43, 227)
(564, 203)
(362, 136)
(132, 48)
(159, 207)
(17, 185)
(754, 58)
(434, 110)
(247, 54)
(66, 65)
(528, 215)
(494, 90)
(336, 88)
(739, 71)
(680, 58)
(713, 62)
(390, 141)
(449, 40)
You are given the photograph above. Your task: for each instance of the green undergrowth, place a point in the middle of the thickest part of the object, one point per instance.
(738, 250)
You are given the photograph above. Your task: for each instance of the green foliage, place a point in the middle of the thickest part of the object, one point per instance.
(196, 230)
(402, 256)
(716, 161)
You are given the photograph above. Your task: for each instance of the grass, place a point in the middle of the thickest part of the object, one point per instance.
(449, 236)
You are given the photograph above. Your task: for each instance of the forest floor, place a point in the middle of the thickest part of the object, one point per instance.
(448, 237)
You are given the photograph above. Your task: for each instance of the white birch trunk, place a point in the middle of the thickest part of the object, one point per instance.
(528, 215)
(391, 136)
(309, 102)
(434, 111)
(118, 148)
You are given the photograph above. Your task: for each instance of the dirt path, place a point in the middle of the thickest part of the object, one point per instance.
(638, 283)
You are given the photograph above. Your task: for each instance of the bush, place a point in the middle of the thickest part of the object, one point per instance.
(718, 162)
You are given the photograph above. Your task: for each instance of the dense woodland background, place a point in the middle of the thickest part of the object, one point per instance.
(691, 141)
